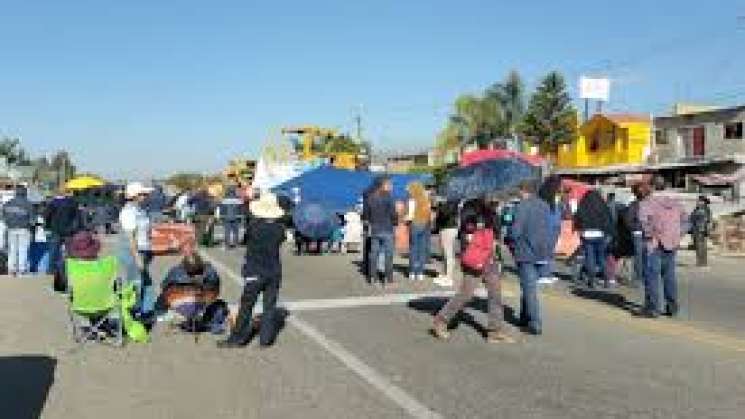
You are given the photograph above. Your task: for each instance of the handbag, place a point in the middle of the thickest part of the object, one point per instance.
(479, 250)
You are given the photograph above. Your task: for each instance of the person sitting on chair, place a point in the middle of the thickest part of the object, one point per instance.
(84, 245)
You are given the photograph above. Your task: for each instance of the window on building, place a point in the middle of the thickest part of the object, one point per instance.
(660, 137)
(733, 131)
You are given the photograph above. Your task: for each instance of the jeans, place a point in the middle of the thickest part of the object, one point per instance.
(3, 235)
(638, 241)
(529, 307)
(269, 288)
(447, 239)
(418, 248)
(660, 264)
(19, 241)
(546, 269)
(141, 278)
(381, 242)
(56, 259)
(595, 252)
(231, 228)
(492, 279)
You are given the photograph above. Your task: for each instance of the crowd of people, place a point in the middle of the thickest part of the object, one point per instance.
(477, 237)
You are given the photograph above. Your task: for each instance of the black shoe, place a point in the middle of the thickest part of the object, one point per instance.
(535, 332)
(648, 314)
(672, 310)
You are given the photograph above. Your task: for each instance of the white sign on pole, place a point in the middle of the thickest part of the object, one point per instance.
(594, 88)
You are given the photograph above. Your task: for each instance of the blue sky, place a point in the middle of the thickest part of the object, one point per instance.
(142, 88)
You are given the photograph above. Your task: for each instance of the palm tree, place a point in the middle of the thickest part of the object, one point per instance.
(510, 94)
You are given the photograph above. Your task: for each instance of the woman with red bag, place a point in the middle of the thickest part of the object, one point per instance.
(478, 263)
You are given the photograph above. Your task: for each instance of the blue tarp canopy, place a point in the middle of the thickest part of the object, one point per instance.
(339, 189)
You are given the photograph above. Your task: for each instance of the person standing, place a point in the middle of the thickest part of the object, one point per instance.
(700, 226)
(18, 215)
(447, 224)
(593, 221)
(135, 247)
(63, 219)
(229, 213)
(631, 219)
(201, 203)
(530, 229)
(419, 217)
(661, 219)
(380, 213)
(476, 215)
(262, 273)
(549, 193)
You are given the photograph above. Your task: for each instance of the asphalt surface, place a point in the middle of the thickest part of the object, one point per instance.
(351, 350)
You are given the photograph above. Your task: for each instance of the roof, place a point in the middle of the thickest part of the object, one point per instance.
(712, 113)
(626, 118)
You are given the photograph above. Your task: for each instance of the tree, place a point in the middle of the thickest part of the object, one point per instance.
(63, 166)
(187, 181)
(11, 149)
(477, 119)
(511, 97)
(551, 119)
(341, 144)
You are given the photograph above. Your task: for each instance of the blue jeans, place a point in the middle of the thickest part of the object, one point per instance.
(638, 242)
(231, 228)
(419, 244)
(595, 253)
(546, 269)
(381, 242)
(140, 278)
(19, 241)
(56, 259)
(660, 264)
(530, 311)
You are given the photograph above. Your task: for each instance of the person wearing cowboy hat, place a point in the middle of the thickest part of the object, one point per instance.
(135, 248)
(262, 273)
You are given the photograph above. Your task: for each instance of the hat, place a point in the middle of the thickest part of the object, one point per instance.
(266, 206)
(84, 245)
(137, 188)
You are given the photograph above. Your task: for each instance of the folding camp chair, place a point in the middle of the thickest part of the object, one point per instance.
(94, 299)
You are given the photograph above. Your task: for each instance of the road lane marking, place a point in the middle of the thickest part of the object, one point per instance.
(396, 394)
(364, 371)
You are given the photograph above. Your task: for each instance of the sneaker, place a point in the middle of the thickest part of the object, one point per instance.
(499, 337)
(440, 330)
(544, 281)
(443, 281)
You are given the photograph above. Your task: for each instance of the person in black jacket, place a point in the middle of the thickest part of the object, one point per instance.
(63, 219)
(700, 226)
(634, 226)
(593, 221)
(380, 214)
(262, 273)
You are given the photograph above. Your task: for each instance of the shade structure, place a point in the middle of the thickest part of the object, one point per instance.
(339, 190)
(488, 178)
(479, 156)
(314, 220)
(84, 182)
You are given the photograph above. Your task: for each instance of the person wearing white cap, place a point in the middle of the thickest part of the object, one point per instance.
(262, 273)
(135, 251)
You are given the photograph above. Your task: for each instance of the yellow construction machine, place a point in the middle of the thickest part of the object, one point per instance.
(315, 142)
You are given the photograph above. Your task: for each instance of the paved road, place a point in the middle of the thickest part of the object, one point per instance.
(349, 350)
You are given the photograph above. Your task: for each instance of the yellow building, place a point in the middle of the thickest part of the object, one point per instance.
(607, 140)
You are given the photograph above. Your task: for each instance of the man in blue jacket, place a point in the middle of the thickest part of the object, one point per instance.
(18, 215)
(380, 214)
(229, 212)
(530, 233)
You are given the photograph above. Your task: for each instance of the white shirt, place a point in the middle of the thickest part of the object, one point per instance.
(133, 220)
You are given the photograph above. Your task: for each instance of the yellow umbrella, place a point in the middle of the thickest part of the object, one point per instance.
(84, 182)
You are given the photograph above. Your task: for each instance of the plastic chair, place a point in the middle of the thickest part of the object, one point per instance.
(94, 297)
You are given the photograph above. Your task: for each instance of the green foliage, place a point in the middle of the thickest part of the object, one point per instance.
(341, 144)
(186, 181)
(551, 119)
(482, 118)
(11, 149)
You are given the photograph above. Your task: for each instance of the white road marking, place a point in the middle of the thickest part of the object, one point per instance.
(396, 394)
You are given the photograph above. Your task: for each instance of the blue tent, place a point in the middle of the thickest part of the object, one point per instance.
(339, 189)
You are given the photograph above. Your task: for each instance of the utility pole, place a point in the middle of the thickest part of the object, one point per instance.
(358, 122)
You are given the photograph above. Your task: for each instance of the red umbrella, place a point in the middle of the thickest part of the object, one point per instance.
(478, 156)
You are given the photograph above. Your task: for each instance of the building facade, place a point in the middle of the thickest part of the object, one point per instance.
(608, 140)
(709, 135)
